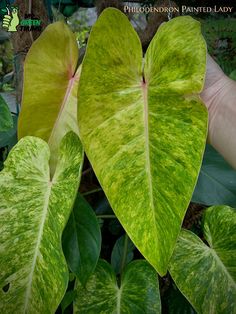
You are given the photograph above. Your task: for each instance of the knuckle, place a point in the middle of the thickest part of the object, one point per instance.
(6, 18)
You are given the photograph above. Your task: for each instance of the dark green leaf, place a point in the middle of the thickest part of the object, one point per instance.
(217, 181)
(103, 207)
(67, 300)
(10, 99)
(177, 303)
(115, 227)
(122, 253)
(6, 122)
(9, 138)
(82, 240)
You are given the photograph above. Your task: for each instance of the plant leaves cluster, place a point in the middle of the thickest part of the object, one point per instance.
(143, 128)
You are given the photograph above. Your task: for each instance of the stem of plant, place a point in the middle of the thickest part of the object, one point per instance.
(86, 171)
(125, 251)
(106, 216)
(91, 192)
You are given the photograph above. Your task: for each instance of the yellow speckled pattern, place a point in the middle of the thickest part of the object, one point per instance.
(138, 292)
(143, 125)
(206, 273)
(33, 214)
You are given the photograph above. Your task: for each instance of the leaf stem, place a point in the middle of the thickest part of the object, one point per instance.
(106, 216)
(125, 251)
(92, 191)
(86, 171)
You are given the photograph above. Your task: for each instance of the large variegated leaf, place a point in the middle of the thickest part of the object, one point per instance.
(206, 274)
(6, 122)
(137, 293)
(144, 128)
(33, 212)
(49, 101)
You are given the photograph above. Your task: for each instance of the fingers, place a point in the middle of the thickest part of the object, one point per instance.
(6, 21)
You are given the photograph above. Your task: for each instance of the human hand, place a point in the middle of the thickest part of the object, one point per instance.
(215, 82)
(11, 20)
(219, 96)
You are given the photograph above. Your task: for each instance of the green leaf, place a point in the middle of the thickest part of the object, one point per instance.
(122, 253)
(33, 212)
(177, 303)
(216, 182)
(206, 275)
(138, 292)
(115, 227)
(9, 138)
(67, 300)
(10, 98)
(233, 75)
(82, 240)
(6, 122)
(144, 130)
(49, 101)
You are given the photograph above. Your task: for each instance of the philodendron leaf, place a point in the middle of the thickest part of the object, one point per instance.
(67, 300)
(144, 129)
(49, 101)
(216, 182)
(138, 292)
(82, 240)
(33, 213)
(6, 121)
(9, 137)
(122, 253)
(177, 303)
(206, 275)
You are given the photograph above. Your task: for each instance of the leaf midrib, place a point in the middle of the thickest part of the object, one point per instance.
(40, 234)
(63, 105)
(147, 148)
(118, 303)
